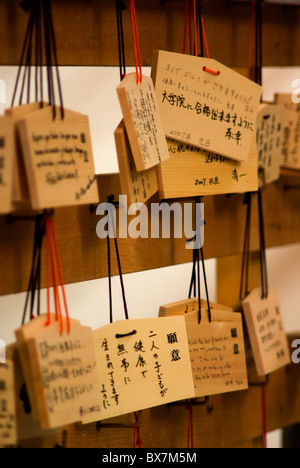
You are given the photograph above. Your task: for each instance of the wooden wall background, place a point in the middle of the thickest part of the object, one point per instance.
(86, 35)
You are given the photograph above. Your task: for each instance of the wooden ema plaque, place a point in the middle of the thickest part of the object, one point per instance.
(59, 159)
(143, 122)
(138, 186)
(6, 164)
(8, 427)
(267, 336)
(64, 375)
(21, 195)
(214, 113)
(270, 119)
(27, 426)
(253, 377)
(291, 132)
(142, 364)
(186, 306)
(217, 350)
(191, 172)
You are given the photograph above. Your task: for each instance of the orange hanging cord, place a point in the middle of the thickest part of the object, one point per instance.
(61, 279)
(47, 250)
(58, 311)
(52, 254)
(136, 44)
(187, 16)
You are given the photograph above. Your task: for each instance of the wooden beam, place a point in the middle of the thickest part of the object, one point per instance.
(83, 254)
(224, 421)
(86, 31)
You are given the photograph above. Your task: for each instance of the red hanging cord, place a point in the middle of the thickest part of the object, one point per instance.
(136, 44)
(60, 275)
(204, 37)
(251, 59)
(47, 247)
(185, 25)
(190, 29)
(58, 311)
(264, 415)
(195, 28)
(137, 432)
(190, 441)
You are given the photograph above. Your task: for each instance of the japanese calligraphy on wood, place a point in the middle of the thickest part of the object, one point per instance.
(64, 375)
(143, 122)
(267, 335)
(59, 159)
(191, 172)
(142, 364)
(6, 164)
(214, 112)
(217, 349)
(23, 334)
(187, 306)
(138, 186)
(269, 124)
(217, 353)
(291, 137)
(8, 425)
(21, 194)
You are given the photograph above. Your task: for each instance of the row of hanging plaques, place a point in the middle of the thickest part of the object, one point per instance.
(220, 138)
(53, 378)
(193, 134)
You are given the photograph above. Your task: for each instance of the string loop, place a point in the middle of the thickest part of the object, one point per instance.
(136, 44)
(112, 228)
(195, 279)
(39, 37)
(52, 253)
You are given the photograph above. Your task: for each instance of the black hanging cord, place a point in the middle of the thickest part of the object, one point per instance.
(263, 259)
(34, 284)
(40, 37)
(24, 55)
(195, 280)
(258, 43)
(199, 19)
(120, 7)
(244, 289)
(53, 50)
(111, 223)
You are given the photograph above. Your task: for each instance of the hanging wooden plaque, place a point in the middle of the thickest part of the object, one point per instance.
(217, 349)
(65, 375)
(59, 159)
(186, 306)
(8, 422)
(63, 370)
(138, 186)
(21, 195)
(217, 353)
(291, 132)
(270, 119)
(214, 112)
(142, 364)
(6, 164)
(23, 334)
(191, 172)
(267, 335)
(143, 122)
(27, 426)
